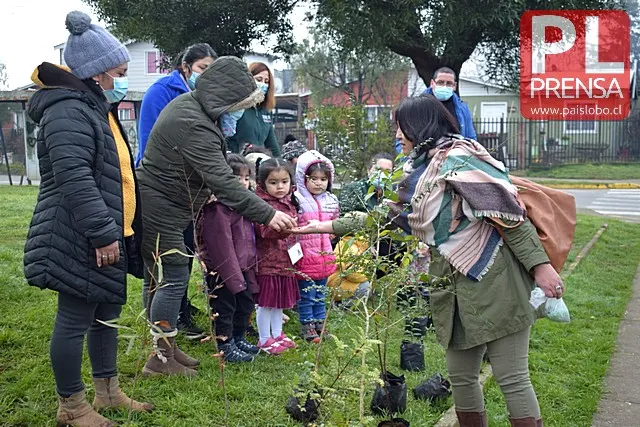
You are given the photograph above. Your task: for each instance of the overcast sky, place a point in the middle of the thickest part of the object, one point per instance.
(29, 29)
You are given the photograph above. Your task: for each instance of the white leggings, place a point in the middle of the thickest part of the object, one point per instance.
(269, 322)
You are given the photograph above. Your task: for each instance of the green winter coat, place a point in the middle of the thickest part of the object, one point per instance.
(255, 128)
(466, 313)
(185, 159)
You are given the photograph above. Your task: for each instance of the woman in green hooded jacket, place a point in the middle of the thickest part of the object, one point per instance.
(486, 272)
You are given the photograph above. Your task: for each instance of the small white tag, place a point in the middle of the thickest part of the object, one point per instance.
(295, 253)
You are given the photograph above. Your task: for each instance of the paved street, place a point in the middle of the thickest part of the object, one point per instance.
(620, 204)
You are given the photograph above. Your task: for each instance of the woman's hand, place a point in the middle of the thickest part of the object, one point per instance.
(548, 280)
(108, 255)
(281, 222)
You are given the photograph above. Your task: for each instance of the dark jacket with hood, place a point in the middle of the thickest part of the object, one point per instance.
(80, 205)
(185, 159)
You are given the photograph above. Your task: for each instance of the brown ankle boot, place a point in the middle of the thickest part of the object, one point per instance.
(472, 419)
(109, 395)
(162, 361)
(75, 411)
(183, 358)
(525, 422)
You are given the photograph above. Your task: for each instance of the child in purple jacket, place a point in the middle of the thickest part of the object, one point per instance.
(226, 245)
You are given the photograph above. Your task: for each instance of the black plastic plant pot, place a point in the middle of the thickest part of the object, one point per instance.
(435, 388)
(411, 356)
(392, 398)
(418, 326)
(303, 413)
(394, 422)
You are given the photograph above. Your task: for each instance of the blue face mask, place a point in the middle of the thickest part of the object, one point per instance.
(119, 91)
(192, 80)
(263, 87)
(443, 93)
(378, 179)
(228, 122)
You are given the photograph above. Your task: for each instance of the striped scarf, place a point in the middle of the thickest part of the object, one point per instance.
(461, 187)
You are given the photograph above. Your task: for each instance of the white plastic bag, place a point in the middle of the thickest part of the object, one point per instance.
(554, 309)
(557, 310)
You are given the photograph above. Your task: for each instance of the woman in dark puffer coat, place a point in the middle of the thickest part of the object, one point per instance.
(83, 236)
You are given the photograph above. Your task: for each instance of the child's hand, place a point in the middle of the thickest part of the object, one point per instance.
(310, 228)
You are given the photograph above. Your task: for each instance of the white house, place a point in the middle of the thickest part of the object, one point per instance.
(144, 68)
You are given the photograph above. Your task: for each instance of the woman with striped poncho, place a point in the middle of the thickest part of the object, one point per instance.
(487, 271)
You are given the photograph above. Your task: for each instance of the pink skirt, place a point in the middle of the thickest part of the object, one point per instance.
(277, 292)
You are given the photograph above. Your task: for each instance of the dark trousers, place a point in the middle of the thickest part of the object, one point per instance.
(233, 310)
(191, 249)
(75, 319)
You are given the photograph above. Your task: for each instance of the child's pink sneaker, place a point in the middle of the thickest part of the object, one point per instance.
(286, 341)
(271, 346)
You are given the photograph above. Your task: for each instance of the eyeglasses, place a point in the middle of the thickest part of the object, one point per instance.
(442, 83)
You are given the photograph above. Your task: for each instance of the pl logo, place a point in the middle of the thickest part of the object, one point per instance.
(574, 65)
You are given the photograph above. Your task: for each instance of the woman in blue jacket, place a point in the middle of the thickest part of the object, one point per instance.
(189, 66)
(194, 60)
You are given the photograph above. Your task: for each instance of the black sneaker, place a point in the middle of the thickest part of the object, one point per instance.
(233, 354)
(188, 328)
(245, 345)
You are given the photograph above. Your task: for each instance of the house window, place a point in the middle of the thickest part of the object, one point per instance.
(374, 112)
(491, 114)
(124, 114)
(154, 62)
(580, 126)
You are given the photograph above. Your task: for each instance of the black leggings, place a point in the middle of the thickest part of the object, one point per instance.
(75, 319)
(233, 310)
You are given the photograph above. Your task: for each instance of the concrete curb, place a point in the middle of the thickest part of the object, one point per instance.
(591, 186)
(449, 418)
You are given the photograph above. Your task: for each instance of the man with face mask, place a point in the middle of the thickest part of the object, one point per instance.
(443, 86)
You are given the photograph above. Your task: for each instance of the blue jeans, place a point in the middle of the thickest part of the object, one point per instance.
(311, 307)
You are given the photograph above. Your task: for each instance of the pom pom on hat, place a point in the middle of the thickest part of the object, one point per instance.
(77, 22)
(90, 49)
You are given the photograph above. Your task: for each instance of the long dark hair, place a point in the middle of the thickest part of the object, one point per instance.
(424, 120)
(194, 53)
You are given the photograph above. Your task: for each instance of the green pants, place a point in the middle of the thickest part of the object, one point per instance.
(509, 358)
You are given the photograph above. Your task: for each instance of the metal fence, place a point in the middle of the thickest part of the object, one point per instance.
(524, 144)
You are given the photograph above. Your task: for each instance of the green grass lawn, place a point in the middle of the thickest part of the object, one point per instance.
(589, 171)
(568, 362)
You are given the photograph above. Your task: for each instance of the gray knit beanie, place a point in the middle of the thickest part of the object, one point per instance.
(91, 50)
